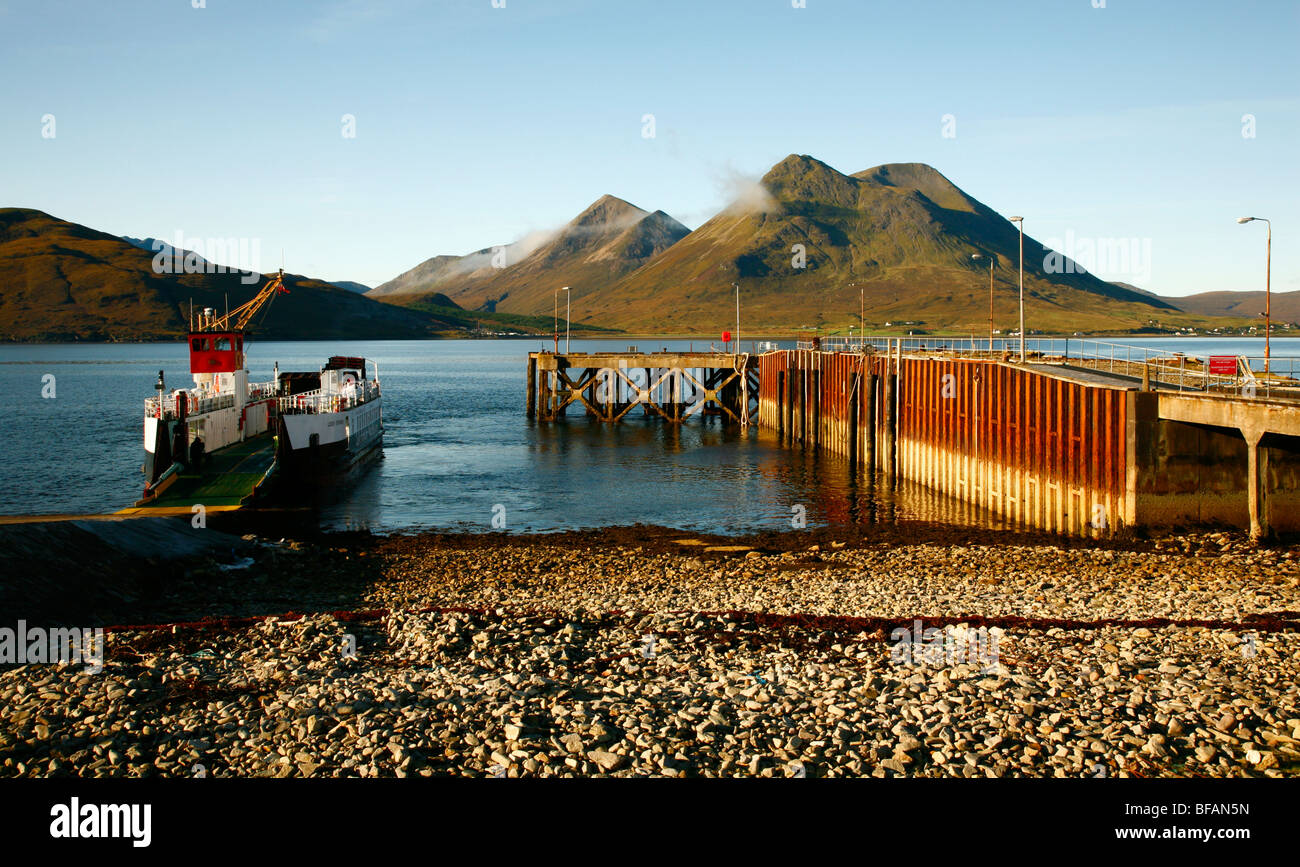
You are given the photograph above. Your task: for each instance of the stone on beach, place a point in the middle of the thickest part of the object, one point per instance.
(548, 658)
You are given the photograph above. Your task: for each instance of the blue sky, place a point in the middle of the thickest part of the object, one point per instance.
(476, 125)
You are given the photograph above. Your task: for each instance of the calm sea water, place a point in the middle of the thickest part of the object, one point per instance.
(458, 448)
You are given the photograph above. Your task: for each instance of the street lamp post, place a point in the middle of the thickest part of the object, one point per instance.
(992, 259)
(1021, 222)
(1268, 292)
(567, 299)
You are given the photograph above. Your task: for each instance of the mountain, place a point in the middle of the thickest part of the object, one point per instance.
(155, 246)
(1284, 307)
(609, 239)
(437, 299)
(359, 288)
(902, 234)
(809, 247)
(60, 281)
(1138, 289)
(426, 275)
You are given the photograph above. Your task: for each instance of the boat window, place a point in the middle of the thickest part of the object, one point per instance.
(200, 344)
(223, 344)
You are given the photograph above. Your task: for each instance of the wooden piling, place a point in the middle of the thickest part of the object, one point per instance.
(867, 401)
(789, 403)
(532, 387)
(817, 406)
(855, 433)
(887, 458)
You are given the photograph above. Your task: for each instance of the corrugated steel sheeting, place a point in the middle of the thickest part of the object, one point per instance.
(1041, 450)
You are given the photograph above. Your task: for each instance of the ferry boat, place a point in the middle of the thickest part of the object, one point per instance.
(224, 442)
(329, 421)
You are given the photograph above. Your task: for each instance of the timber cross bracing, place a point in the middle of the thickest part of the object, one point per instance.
(670, 385)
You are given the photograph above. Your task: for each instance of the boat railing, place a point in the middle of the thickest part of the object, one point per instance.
(311, 402)
(261, 390)
(170, 404)
(197, 403)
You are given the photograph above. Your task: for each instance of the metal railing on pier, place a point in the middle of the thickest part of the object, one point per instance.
(1166, 369)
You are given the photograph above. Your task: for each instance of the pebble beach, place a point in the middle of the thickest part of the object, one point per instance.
(652, 652)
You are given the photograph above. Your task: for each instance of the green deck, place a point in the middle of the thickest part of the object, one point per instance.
(229, 476)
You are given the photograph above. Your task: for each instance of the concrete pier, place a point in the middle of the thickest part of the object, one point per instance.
(1050, 446)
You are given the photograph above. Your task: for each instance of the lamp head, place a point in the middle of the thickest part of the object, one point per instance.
(1016, 219)
(1246, 219)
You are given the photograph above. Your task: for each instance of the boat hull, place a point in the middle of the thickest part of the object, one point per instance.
(323, 445)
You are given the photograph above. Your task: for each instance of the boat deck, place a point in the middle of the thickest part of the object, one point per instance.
(227, 480)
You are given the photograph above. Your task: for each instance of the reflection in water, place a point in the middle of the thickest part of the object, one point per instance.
(703, 475)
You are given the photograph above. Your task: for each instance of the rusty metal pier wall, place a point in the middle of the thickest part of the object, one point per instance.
(1038, 449)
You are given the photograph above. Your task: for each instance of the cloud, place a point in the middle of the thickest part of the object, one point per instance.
(744, 194)
(519, 249)
(514, 252)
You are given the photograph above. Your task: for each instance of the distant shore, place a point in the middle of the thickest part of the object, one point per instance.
(714, 338)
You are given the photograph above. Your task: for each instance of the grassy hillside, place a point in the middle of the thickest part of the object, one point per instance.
(497, 323)
(1248, 305)
(60, 281)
